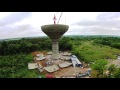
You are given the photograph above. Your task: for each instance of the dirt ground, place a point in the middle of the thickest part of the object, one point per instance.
(116, 62)
(68, 71)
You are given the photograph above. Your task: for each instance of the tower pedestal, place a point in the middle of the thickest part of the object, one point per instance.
(55, 49)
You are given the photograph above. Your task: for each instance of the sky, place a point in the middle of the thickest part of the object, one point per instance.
(28, 24)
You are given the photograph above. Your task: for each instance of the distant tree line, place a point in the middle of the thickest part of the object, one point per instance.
(30, 45)
(65, 43)
(109, 41)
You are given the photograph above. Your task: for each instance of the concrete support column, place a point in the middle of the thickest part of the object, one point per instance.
(55, 49)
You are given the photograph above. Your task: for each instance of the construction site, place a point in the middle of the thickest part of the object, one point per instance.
(67, 66)
(58, 64)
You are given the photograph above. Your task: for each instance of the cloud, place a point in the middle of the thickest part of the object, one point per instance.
(105, 23)
(99, 23)
(13, 18)
(28, 24)
(108, 16)
(104, 31)
(19, 31)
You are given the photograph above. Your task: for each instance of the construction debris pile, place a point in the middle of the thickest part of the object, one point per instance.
(44, 63)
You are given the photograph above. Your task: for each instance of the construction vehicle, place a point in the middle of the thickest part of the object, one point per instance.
(88, 73)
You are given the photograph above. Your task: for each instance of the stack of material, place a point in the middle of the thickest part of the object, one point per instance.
(32, 65)
(39, 57)
(40, 68)
(49, 53)
(65, 64)
(66, 58)
(67, 54)
(62, 58)
(118, 57)
(52, 68)
(57, 62)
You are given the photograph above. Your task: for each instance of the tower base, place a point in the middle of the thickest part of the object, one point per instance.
(55, 49)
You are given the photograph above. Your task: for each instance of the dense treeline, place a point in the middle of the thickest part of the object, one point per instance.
(65, 43)
(109, 41)
(24, 45)
(30, 45)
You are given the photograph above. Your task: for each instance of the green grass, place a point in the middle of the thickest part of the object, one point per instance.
(25, 73)
(92, 52)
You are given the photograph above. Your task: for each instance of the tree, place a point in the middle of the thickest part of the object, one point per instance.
(99, 66)
(110, 72)
(114, 72)
(65, 43)
(112, 68)
(4, 48)
(117, 73)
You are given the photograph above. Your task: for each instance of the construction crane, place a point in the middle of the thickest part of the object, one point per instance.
(56, 18)
(57, 22)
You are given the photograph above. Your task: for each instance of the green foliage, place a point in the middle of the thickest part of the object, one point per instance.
(16, 66)
(30, 45)
(43, 75)
(112, 68)
(100, 66)
(117, 73)
(89, 52)
(24, 46)
(110, 41)
(65, 44)
(114, 72)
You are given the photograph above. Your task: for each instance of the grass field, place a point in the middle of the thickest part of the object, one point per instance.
(91, 52)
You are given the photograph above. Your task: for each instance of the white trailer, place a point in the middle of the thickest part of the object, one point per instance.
(75, 61)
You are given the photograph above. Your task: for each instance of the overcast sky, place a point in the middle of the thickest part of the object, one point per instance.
(28, 24)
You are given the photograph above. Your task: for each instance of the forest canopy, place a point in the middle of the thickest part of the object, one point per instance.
(16, 54)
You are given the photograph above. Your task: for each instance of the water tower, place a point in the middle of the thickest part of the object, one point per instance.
(54, 32)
